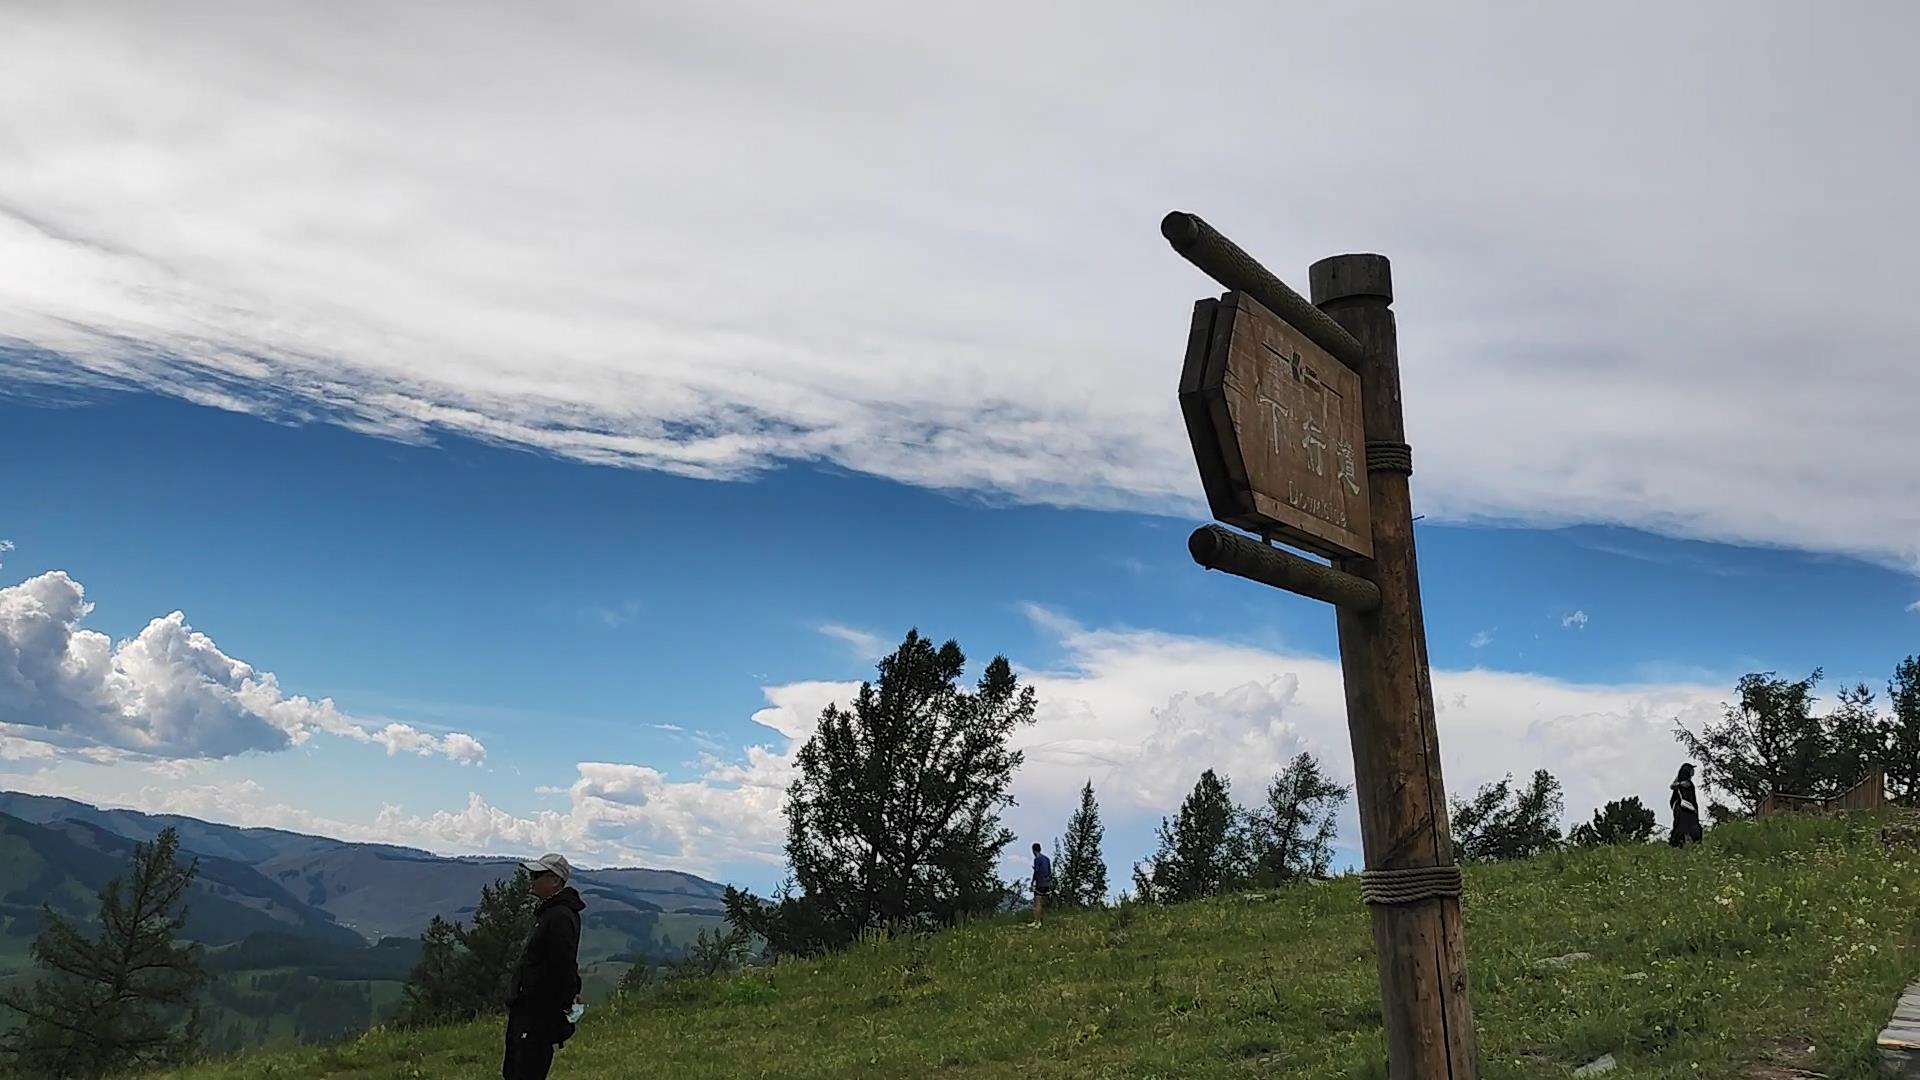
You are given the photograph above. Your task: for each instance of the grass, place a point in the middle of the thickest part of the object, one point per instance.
(1792, 927)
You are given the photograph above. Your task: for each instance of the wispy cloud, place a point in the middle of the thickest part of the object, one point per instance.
(288, 249)
(1915, 606)
(667, 727)
(615, 617)
(865, 646)
(1482, 639)
(1576, 620)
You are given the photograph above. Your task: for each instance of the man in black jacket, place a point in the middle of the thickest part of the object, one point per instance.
(547, 981)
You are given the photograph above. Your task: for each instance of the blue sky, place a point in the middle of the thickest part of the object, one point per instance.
(561, 612)
(531, 451)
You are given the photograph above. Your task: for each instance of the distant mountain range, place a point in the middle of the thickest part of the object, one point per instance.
(314, 884)
(342, 917)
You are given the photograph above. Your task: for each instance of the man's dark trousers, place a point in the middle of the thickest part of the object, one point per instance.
(529, 1048)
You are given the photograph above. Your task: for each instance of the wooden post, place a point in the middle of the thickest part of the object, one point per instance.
(1396, 752)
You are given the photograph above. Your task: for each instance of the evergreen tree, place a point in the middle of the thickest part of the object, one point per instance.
(502, 922)
(1854, 737)
(639, 978)
(434, 987)
(1079, 870)
(1903, 732)
(1622, 821)
(1291, 836)
(1201, 852)
(463, 971)
(1503, 823)
(893, 818)
(124, 998)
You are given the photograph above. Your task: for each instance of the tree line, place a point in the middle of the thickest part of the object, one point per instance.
(893, 824)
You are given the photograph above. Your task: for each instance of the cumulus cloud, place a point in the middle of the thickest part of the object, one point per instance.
(168, 692)
(895, 251)
(1142, 713)
(1575, 621)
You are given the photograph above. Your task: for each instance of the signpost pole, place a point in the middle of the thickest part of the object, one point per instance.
(1410, 880)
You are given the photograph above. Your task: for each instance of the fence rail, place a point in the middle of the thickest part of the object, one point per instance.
(1869, 794)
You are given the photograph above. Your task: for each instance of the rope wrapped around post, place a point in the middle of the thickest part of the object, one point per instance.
(1389, 457)
(1409, 884)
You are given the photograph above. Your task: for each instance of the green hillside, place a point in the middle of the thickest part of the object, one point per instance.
(1706, 962)
(309, 938)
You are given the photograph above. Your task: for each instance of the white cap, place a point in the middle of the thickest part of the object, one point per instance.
(552, 864)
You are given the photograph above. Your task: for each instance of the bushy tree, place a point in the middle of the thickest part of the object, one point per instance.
(1504, 822)
(1079, 870)
(1772, 742)
(123, 998)
(893, 817)
(1201, 852)
(1290, 836)
(1622, 821)
(463, 970)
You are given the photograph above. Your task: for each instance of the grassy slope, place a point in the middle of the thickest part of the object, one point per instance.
(1791, 927)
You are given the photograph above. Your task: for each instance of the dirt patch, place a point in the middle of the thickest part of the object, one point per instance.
(1786, 1059)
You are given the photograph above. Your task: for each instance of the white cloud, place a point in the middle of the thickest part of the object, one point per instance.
(5, 546)
(1575, 621)
(1481, 639)
(865, 646)
(1142, 713)
(1915, 606)
(707, 239)
(616, 617)
(1139, 713)
(167, 692)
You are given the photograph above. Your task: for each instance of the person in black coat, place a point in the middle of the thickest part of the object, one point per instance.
(546, 983)
(1685, 803)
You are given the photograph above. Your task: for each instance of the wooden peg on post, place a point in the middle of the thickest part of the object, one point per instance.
(1410, 874)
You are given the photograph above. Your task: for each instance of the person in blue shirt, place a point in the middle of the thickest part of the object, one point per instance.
(1042, 881)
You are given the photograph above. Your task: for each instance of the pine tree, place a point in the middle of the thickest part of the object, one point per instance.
(1201, 852)
(639, 978)
(893, 817)
(125, 998)
(502, 922)
(1079, 870)
(434, 986)
(1854, 739)
(1903, 732)
(1292, 835)
(463, 970)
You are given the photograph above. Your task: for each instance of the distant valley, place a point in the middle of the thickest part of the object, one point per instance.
(309, 937)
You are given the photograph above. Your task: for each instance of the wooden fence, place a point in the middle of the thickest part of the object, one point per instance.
(1868, 794)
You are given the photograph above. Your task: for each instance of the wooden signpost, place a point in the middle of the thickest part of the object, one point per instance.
(1294, 412)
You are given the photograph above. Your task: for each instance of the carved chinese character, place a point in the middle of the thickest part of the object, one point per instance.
(1313, 444)
(1347, 472)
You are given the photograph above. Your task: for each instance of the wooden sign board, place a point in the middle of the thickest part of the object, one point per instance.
(1276, 428)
